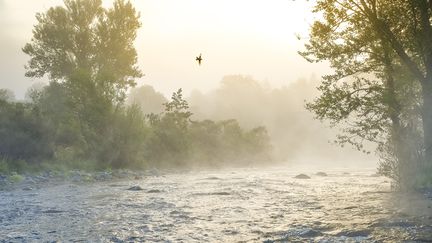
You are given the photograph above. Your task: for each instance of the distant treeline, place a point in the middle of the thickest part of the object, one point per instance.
(49, 131)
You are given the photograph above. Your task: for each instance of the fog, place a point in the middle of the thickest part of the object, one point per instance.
(209, 121)
(297, 138)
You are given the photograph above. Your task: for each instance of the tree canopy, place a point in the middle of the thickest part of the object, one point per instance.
(381, 90)
(86, 46)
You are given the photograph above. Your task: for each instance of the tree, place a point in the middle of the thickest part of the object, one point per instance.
(89, 51)
(7, 95)
(25, 136)
(149, 100)
(87, 47)
(169, 139)
(368, 37)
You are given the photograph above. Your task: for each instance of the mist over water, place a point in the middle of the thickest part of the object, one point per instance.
(297, 137)
(131, 133)
(232, 205)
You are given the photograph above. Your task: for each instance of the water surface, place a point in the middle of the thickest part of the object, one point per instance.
(241, 205)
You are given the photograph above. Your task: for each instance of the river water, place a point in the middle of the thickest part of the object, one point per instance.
(238, 205)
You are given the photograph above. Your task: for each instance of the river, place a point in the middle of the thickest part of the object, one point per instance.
(238, 205)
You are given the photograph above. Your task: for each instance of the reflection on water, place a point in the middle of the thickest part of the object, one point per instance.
(248, 205)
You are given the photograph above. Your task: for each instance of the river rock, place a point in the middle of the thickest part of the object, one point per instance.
(321, 173)
(102, 176)
(135, 188)
(52, 211)
(76, 178)
(154, 191)
(310, 233)
(302, 176)
(355, 233)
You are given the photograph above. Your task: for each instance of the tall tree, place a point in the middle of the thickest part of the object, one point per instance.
(391, 40)
(84, 42)
(89, 49)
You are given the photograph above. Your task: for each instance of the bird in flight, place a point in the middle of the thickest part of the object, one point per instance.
(199, 59)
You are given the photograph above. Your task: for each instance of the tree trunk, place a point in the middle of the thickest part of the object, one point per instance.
(400, 149)
(427, 120)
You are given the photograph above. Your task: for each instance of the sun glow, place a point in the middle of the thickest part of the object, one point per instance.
(234, 37)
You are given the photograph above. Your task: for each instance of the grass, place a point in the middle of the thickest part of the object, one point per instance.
(16, 178)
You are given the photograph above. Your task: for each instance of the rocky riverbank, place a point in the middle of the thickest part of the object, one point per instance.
(37, 180)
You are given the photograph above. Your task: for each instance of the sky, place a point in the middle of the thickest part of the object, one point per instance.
(249, 37)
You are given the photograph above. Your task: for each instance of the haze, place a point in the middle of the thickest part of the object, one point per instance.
(257, 38)
(215, 121)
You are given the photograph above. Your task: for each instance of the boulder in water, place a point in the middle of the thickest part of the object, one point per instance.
(310, 233)
(321, 173)
(154, 191)
(355, 233)
(135, 188)
(302, 176)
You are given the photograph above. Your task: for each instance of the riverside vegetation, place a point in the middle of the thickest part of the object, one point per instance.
(380, 93)
(44, 135)
(80, 120)
(381, 89)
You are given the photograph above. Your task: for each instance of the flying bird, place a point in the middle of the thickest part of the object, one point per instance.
(199, 59)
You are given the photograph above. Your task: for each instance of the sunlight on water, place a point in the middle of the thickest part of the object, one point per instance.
(249, 205)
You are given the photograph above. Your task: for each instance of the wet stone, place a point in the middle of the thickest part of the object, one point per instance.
(52, 211)
(302, 176)
(310, 233)
(220, 193)
(321, 173)
(135, 188)
(355, 233)
(154, 191)
(101, 176)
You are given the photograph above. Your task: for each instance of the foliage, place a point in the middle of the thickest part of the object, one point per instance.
(7, 95)
(86, 46)
(4, 166)
(148, 100)
(24, 134)
(382, 84)
(131, 139)
(87, 52)
(175, 137)
(123, 146)
(80, 120)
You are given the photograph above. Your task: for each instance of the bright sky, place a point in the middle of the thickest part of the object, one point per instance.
(250, 37)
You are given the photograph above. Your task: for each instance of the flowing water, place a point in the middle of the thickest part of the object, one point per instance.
(242, 205)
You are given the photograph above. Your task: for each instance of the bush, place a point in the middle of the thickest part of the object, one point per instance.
(4, 166)
(24, 134)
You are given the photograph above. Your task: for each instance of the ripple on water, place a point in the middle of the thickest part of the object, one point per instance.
(248, 206)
